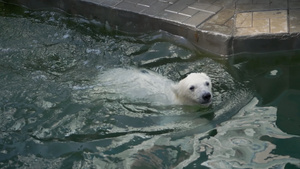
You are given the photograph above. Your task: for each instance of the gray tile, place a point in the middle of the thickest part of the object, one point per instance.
(257, 5)
(132, 1)
(156, 9)
(251, 7)
(146, 3)
(168, 1)
(244, 20)
(294, 4)
(199, 6)
(278, 4)
(213, 9)
(206, 1)
(222, 17)
(223, 29)
(173, 17)
(294, 20)
(262, 22)
(205, 7)
(179, 5)
(230, 4)
(110, 3)
(94, 1)
(260, 1)
(188, 11)
(243, 2)
(176, 7)
(197, 19)
(128, 6)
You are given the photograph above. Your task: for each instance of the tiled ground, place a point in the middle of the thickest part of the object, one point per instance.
(187, 12)
(254, 17)
(230, 17)
(253, 23)
(260, 5)
(294, 20)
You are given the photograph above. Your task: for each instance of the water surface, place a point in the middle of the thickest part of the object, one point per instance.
(51, 118)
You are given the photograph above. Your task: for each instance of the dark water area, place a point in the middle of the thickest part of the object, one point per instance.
(53, 114)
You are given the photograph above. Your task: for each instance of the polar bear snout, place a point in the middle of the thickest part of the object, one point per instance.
(206, 97)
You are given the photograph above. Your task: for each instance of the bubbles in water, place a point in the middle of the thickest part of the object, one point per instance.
(273, 72)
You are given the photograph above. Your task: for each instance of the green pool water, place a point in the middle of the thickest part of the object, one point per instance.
(51, 116)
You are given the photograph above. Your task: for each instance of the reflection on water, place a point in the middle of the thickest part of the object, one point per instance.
(241, 146)
(51, 116)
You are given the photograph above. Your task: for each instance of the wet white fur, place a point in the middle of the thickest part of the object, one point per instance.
(150, 87)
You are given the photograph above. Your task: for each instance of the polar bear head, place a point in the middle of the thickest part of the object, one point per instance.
(195, 89)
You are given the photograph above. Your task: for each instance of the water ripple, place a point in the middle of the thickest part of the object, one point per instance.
(56, 111)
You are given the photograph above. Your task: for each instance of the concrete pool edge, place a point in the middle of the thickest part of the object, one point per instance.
(219, 32)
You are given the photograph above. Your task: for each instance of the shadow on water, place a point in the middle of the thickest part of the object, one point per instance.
(54, 113)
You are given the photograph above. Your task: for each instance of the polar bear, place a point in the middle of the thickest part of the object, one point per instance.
(148, 86)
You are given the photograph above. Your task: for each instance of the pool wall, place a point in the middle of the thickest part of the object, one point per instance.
(221, 28)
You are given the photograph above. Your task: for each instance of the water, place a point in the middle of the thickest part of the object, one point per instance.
(51, 116)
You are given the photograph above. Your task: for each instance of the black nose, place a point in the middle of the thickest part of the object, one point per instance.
(206, 96)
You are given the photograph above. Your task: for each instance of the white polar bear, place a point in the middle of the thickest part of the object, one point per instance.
(150, 87)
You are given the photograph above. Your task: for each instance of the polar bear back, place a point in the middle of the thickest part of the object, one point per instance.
(149, 87)
(135, 84)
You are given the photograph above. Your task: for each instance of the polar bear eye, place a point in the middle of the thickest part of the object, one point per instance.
(207, 83)
(192, 88)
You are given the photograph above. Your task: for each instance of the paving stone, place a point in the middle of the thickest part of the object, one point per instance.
(213, 8)
(173, 16)
(130, 6)
(253, 23)
(260, 1)
(230, 23)
(132, 1)
(95, 1)
(197, 19)
(239, 2)
(250, 7)
(294, 20)
(168, 1)
(222, 17)
(188, 11)
(260, 26)
(179, 6)
(206, 1)
(111, 3)
(229, 4)
(260, 5)
(244, 20)
(278, 4)
(199, 6)
(226, 29)
(277, 20)
(294, 4)
(270, 14)
(278, 25)
(156, 9)
(222, 23)
(175, 8)
(146, 3)
(205, 7)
